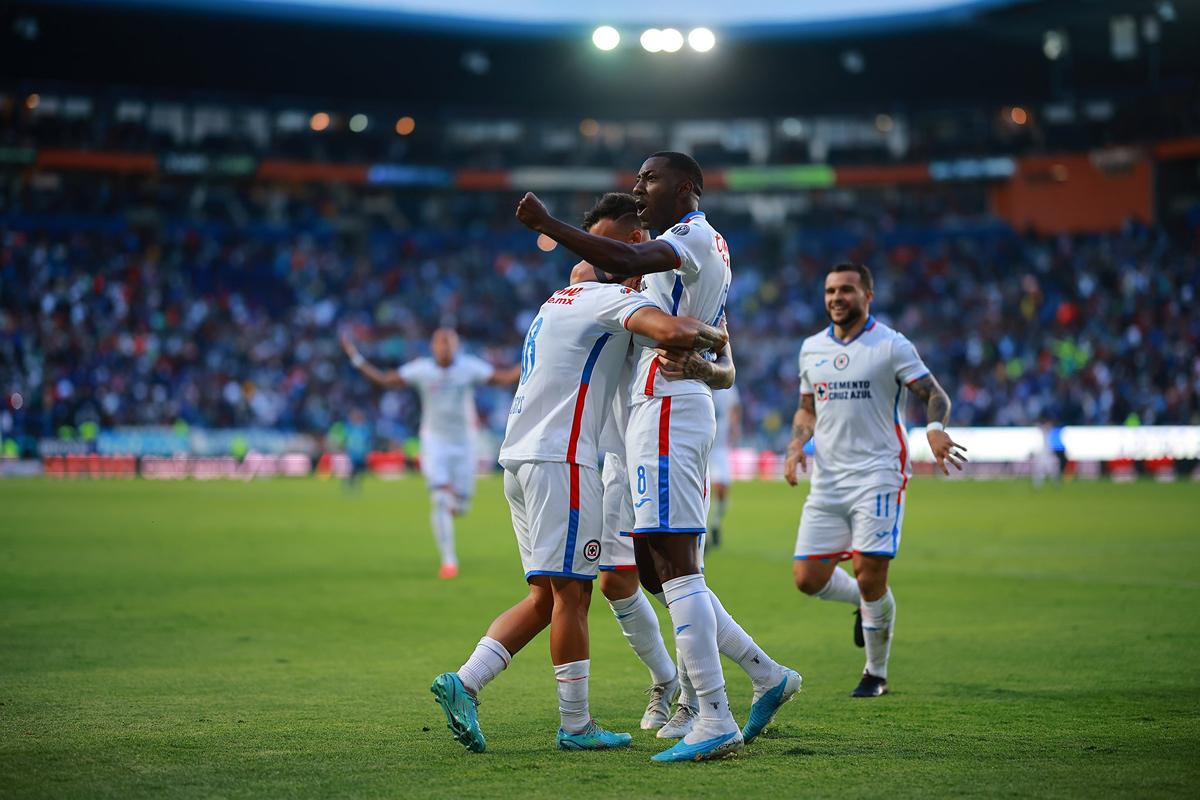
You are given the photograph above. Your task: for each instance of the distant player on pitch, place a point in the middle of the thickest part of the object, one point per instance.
(728, 406)
(571, 363)
(854, 380)
(669, 436)
(446, 383)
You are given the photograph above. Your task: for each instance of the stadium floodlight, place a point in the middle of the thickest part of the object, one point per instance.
(606, 37)
(319, 121)
(702, 40)
(672, 40)
(652, 40)
(405, 126)
(1054, 44)
(358, 123)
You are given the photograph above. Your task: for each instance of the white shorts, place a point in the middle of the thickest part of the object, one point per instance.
(667, 445)
(867, 521)
(719, 470)
(558, 516)
(449, 464)
(616, 546)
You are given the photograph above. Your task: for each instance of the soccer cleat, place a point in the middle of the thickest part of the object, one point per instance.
(766, 705)
(707, 750)
(448, 571)
(859, 639)
(870, 686)
(459, 706)
(680, 724)
(658, 710)
(593, 737)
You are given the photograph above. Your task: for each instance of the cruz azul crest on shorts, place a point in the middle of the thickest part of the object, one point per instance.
(591, 550)
(842, 361)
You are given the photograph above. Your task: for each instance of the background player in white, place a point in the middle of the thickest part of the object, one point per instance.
(728, 406)
(446, 383)
(670, 432)
(571, 362)
(854, 379)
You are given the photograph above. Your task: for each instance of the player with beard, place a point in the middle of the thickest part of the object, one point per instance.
(854, 381)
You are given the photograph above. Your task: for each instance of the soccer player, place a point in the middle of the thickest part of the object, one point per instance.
(728, 406)
(571, 363)
(854, 380)
(446, 383)
(669, 435)
(615, 216)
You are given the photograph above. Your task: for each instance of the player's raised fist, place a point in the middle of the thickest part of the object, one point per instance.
(532, 212)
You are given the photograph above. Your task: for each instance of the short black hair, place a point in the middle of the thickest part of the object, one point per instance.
(613, 205)
(864, 273)
(685, 164)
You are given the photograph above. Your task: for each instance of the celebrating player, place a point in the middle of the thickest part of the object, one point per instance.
(446, 384)
(615, 216)
(728, 406)
(854, 379)
(670, 433)
(571, 363)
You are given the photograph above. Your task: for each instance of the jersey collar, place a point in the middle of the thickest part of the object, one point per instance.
(870, 324)
(688, 217)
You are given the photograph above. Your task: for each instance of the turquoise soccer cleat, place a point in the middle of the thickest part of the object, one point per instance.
(459, 707)
(593, 737)
(765, 707)
(707, 750)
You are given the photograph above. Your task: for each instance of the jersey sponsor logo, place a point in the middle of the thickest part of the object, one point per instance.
(591, 550)
(842, 361)
(565, 297)
(843, 390)
(680, 230)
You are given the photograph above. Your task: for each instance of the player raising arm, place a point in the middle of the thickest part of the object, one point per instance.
(854, 378)
(446, 383)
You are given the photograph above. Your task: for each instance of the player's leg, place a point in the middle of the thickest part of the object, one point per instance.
(436, 463)
(457, 692)
(719, 474)
(878, 519)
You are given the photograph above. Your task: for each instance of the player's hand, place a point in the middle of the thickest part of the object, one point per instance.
(946, 451)
(348, 345)
(795, 457)
(675, 364)
(532, 212)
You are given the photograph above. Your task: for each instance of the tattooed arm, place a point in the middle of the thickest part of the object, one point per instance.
(719, 374)
(803, 425)
(937, 409)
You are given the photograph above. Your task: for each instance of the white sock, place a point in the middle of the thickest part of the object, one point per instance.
(572, 681)
(734, 642)
(696, 639)
(687, 693)
(489, 660)
(640, 626)
(442, 519)
(841, 587)
(879, 619)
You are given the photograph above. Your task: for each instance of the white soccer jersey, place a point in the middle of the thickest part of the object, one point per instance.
(447, 395)
(570, 366)
(698, 287)
(724, 401)
(612, 437)
(860, 389)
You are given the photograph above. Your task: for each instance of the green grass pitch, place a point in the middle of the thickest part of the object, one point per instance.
(277, 639)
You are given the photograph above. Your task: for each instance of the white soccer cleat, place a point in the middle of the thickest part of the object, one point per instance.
(680, 724)
(658, 710)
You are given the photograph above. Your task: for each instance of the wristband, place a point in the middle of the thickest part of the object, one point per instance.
(935, 426)
(357, 360)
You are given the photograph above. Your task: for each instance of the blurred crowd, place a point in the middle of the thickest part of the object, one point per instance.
(139, 302)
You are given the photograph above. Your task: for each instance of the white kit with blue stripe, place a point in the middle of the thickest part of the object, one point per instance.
(671, 425)
(570, 368)
(861, 468)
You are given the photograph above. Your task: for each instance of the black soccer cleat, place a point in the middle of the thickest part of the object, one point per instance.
(859, 639)
(870, 686)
